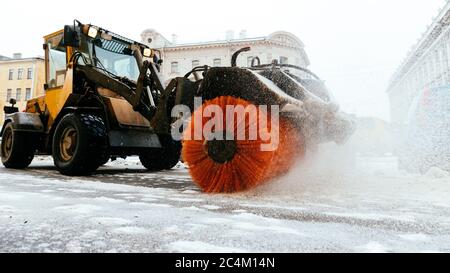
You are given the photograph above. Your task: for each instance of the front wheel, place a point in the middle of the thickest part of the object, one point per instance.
(163, 158)
(17, 148)
(79, 144)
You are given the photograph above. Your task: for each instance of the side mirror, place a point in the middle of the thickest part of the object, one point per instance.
(12, 101)
(71, 36)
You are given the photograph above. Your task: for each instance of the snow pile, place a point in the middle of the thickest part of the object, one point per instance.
(437, 173)
(133, 162)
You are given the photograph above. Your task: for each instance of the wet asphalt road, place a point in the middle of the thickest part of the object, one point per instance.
(123, 208)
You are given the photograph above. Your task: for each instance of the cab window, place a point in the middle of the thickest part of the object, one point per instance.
(56, 62)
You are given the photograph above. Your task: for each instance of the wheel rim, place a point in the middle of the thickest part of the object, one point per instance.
(68, 143)
(7, 143)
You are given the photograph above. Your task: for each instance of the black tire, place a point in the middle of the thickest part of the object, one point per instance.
(17, 148)
(162, 159)
(80, 144)
(104, 160)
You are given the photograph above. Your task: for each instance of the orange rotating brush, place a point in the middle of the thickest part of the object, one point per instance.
(290, 149)
(225, 166)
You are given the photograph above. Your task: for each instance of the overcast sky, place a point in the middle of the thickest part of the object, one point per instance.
(355, 45)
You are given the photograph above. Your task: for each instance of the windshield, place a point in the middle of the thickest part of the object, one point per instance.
(122, 65)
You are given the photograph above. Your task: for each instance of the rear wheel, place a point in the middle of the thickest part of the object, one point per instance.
(162, 159)
(17, 148)
(79, 144)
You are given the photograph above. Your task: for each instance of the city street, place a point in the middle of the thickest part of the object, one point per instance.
(213, 138)
(367, 207)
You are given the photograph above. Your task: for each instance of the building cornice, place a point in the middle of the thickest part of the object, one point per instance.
(22, 60)
(221, 44)
(434, 31)
(279, 39)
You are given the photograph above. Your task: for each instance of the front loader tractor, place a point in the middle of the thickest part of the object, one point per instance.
(102, 94)
(104, 99)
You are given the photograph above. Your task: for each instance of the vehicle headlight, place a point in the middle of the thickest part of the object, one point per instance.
(92, 32)
(148, 52)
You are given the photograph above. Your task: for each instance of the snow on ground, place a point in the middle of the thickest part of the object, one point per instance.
(369, 206)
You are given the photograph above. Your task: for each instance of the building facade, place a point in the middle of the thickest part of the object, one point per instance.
(21, 79)
(181, 58)
(426, 66)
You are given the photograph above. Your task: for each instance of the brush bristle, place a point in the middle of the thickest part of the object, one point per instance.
(245, 170)
(250, 166)
(291, 149)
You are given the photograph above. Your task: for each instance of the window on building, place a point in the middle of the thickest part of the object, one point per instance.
(29, 73)
(217, 62)
(174, 68)
(195, 63)
(430, 71)
(19, 73)
(444, 59)
(28, 94)
(8, 94)
(18, 94)
(249, 61)
(437, 63)
(448, 53)
(283, 60)
(11, 74)
(269, 58)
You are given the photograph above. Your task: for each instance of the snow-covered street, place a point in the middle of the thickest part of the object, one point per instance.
(370, 208)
